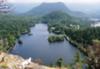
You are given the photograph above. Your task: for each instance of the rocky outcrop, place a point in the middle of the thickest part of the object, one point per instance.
(8, 61)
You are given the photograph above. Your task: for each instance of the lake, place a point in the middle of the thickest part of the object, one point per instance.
(38, 47)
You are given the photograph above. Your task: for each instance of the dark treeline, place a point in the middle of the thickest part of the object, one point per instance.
(62, 18)
(11, 27)
(79, 32)
(85, 36)
(87, 39)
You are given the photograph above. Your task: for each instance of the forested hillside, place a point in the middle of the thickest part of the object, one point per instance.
(60, 17)
(11, 27)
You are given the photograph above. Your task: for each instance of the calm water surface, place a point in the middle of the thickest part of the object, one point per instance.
(38, 47)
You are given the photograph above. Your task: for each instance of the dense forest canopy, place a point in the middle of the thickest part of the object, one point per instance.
(78, 30)
(60, 17)
(11, 27)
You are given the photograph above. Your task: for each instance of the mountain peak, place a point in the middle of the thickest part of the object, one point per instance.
(47, 3)
(46, 8)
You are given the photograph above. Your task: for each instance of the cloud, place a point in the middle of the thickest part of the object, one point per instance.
(65, 1)
(85, 1)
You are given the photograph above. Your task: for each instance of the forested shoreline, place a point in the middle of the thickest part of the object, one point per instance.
(77, 30)
(78, 33)
(86, 40)
(11, 27)
(64, 23)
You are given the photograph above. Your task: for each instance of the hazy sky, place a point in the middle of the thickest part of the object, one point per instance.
(65, 1)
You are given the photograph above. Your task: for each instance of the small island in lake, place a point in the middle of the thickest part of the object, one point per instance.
(55, 38)
(20, 42)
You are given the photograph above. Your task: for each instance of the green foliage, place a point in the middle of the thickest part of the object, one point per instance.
(78, 61)
(84, 36)
(62, 18)
(11, 39)
(78, 57)
(12, 27)
(60, 62)
(55, 38)
(55, 17)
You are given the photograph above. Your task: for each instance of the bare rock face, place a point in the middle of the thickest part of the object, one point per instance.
(8, 61)
(1, 56)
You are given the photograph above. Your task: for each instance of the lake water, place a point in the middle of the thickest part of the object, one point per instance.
(38, 47)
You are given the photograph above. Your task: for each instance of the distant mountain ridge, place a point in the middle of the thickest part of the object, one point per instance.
(46, 8)
(78, 10)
